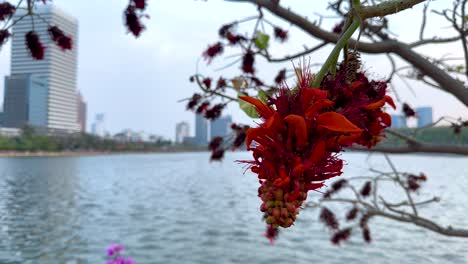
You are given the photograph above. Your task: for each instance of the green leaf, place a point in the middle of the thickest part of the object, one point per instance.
(262, 96)
(261, 40)
(249, 109)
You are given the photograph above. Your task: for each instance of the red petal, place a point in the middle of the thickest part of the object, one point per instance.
(337, 122)
(310, 95)
(263, 110)
(313, 186)
(375, 105)
(300, 129)
(348, 140)
(390, 101)
(386, 119)
(275, 123)
(254, 134)
(313, 109)
(318, 152)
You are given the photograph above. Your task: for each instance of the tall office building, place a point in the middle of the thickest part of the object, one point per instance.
(220, 127)
(201, 130)
(398, 121)
(182, 132)
(58, 69)
(82, 109)
(424, 115)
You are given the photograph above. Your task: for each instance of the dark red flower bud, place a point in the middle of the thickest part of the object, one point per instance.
(256, 81)
(281, 76)
(248, 62)
(34, 45)
(132, 21)
(213, 51)
(207, 83)
(217, 154)
(234, 39)
(215, 143)
(59, 38)
(194, 101)
(351, 215)
(366, 234)
(140, 4)
(366, 189)
(6, 10)
(281, 34)
(408, 111)
(239, 140)
(422, 177)
(341, 235)
(225, 29)
(338, 28)
(221, 83)
(214, 112)
(363, 221)
(412, 183)
(328, 218)
(336, 186)
(192, 78)
(202, 108)
(4, 35)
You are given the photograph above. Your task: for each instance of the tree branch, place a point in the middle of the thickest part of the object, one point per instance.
(421, 148)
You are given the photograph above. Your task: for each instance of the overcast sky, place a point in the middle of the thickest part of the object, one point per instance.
(136, 83)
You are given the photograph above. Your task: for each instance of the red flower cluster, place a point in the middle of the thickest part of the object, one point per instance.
(34, 45)
(6, 10)
(60, 39)
(295, 148)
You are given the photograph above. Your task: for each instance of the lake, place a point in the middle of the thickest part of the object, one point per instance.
(180, 208)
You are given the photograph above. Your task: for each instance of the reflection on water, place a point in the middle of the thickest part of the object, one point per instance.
(179, 208)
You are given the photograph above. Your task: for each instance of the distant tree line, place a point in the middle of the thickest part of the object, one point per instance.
(29, 140)
(439, 135)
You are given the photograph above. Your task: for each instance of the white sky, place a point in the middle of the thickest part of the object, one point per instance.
(137, 82)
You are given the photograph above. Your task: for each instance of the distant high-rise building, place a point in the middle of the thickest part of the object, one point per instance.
(82, 109)
(182, 131)
(398, 121)
(220, 127)
(58, 71)
(201, 130)
(25, 98)
(98, 127)
(424, 115)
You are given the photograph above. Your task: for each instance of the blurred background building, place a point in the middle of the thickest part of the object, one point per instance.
(43, 93)
(424, 115)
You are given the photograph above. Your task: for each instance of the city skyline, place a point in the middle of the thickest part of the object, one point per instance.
(125, 77)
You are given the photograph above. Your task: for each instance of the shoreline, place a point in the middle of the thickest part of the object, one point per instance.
(10, 154)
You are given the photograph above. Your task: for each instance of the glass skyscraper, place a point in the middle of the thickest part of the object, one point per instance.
(58, 71)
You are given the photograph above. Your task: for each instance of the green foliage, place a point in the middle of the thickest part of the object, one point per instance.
(249, 109)
(437, 135)
(29, 141)
(261, 40)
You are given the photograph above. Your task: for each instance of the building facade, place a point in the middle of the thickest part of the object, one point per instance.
(82, 112)
(201, 130)
(182, 131)
(58, 69)
(220, 127)
(424, 115)
(398, 121)
(25, 101)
